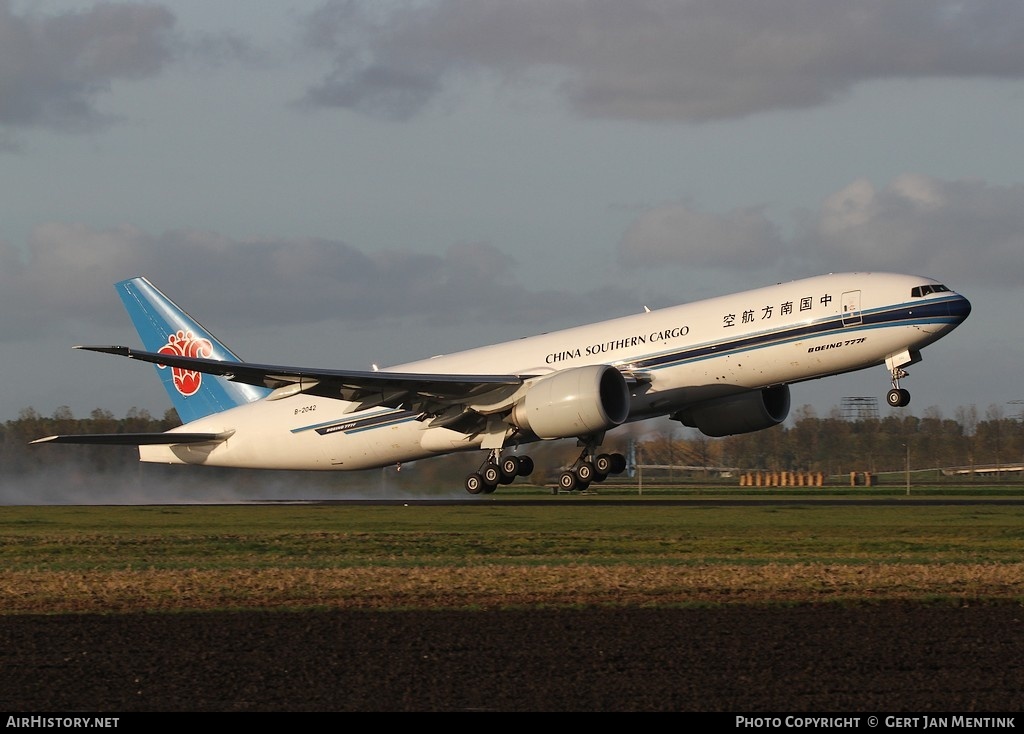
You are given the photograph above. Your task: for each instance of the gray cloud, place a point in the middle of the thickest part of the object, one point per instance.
(678, 234)
(967, 230)
(964, 231)
(53, 67)
(655, 60)
(68, 272)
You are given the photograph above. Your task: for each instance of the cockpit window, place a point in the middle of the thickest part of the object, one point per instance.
(924, 290)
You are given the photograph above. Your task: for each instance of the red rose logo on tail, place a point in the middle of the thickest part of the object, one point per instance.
(186, 344)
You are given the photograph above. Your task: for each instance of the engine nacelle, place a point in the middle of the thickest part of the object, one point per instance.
(573, 403)
(743, 413)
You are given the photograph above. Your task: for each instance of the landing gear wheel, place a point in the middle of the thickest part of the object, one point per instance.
(897, 398)
(525, 466)
(510, 468)
(567, 481)
(474, 483)
(492, 475)
(605, 464)
(585, 473)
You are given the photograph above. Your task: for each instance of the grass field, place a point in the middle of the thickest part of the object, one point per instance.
(485, 555)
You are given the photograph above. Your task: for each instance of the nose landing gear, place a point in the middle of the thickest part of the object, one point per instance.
(897, 397)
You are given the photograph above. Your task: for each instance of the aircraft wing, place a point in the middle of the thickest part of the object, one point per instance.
(390, 389)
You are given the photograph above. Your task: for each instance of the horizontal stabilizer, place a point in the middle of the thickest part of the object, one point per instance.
(136, 439)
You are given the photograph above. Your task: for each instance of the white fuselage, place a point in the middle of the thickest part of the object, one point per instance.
(777, 335)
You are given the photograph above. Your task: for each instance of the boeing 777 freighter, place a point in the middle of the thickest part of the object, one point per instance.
(723, 365)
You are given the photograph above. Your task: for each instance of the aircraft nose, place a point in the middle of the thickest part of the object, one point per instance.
(959, 308)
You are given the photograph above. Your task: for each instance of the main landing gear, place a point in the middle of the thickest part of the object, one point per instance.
(496, 470)
(897, 397)
(589, 468)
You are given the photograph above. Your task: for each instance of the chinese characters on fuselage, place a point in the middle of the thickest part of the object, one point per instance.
(749, 316)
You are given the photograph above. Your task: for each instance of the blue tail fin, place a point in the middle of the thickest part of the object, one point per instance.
(164, 327)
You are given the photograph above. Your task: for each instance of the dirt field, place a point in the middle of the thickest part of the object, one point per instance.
(886, 657)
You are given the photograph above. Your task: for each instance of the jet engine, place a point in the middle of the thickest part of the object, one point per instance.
(742, 413)
(574, 402)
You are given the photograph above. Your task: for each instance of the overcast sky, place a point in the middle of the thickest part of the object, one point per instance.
(337, 184)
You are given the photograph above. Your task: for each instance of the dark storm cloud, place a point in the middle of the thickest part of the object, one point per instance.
(657, 60)
(69, 270)
(53, 67)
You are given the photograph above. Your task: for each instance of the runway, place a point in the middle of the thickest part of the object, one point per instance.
(620, 501)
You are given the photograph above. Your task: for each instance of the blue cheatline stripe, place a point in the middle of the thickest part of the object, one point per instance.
(932, 312)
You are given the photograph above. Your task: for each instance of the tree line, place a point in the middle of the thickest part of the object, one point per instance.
(18, 456)
(834, 445)
(837, 445)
